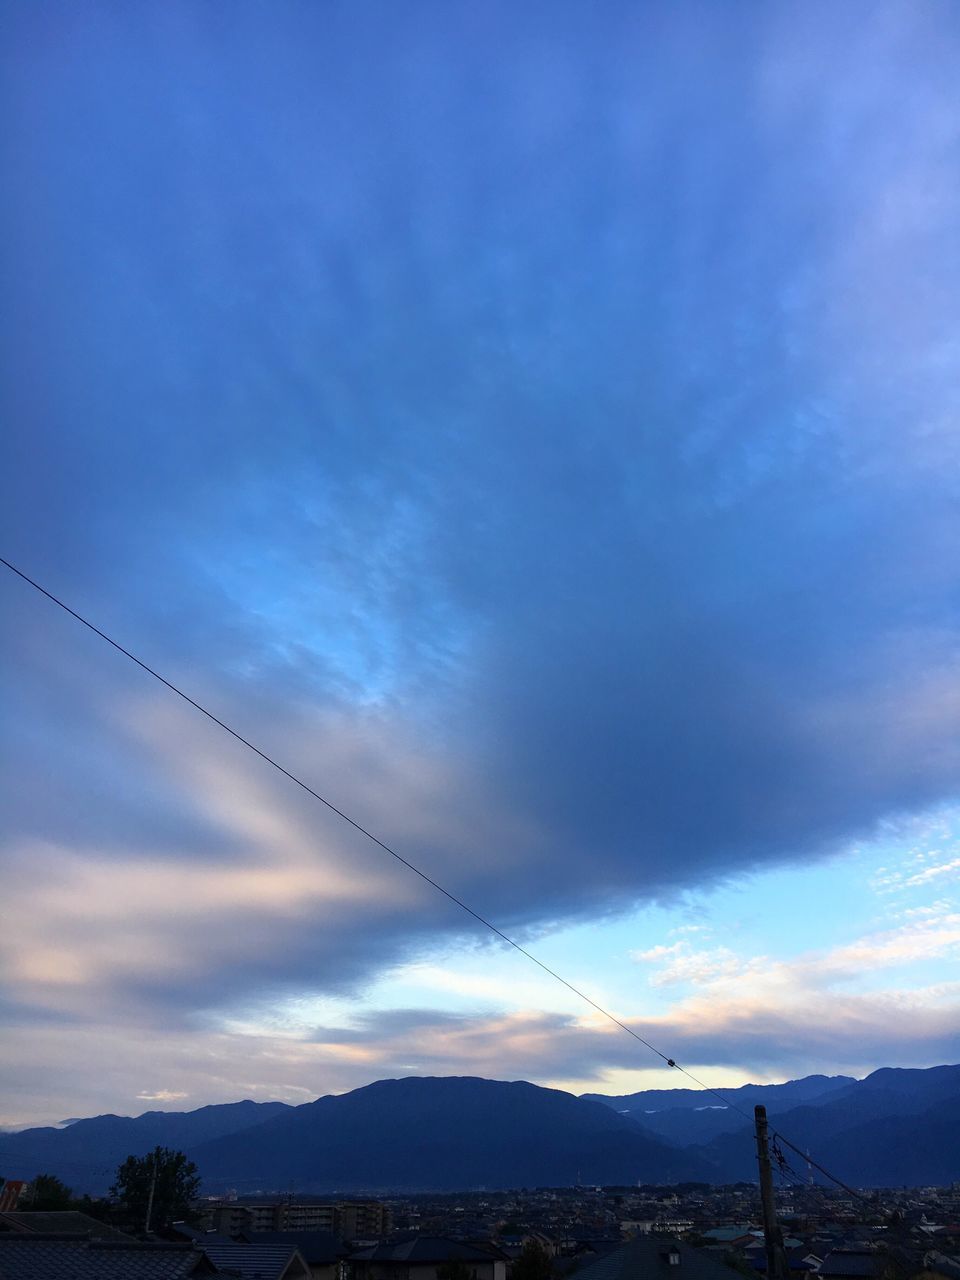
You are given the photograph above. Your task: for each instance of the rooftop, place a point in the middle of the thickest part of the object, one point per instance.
(33, 1256)
(417, 1248)
(649, 1258)
(61, 1222)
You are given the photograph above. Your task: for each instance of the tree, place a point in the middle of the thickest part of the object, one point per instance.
(47, 1192)
(175, 1182)
(454, 1269)
(737, 1262)
(98, 1208)
(533, 1263)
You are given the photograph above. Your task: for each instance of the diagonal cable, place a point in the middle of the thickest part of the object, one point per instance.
(364, 831)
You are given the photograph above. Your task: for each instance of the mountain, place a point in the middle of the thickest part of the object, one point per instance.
(913, 1085)
(443, 1133)
(451, 1133)
(685, 1117)
(910, 1150)
(86, 1153)
(886, 1130)
(793, 1092)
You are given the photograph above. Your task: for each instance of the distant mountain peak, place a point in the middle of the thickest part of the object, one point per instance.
(899, 1125)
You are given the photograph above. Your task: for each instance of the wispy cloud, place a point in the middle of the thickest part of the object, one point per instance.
(917, 870)
(933, 933)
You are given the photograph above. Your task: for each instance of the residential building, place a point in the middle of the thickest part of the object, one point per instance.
(258, 1261)
(61, 1222)
(321, 1250)
(26, 1255)
(656, 1258)
(417, 1257)
(348, 1219)
(11, 1193)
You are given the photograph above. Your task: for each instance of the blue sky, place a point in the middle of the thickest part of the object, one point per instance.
(537, 427)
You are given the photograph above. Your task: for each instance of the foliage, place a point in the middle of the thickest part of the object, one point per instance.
(93, 1207)
(533, 1263)
(454, 1269)
(736, 1262)
(48, 1193)
(175, 1180)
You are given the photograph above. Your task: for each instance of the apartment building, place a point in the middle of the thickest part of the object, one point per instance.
(347, 1219)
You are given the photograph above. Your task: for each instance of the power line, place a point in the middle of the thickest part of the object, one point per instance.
(819, 1167)
(487, 924)
(364, 831)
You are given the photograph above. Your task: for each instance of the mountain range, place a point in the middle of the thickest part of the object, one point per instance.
(454, 1133)
(685, 1117)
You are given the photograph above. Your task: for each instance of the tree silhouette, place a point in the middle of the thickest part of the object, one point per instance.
(174, 1181)
(454, 1269)
(533, 1264)
(47, 1192)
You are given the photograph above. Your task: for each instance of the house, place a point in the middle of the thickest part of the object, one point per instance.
(575, 1252)
(321, 1250)
(258, 1261)
(416, 1257)
(852, 1264)
(11, 1193)
(923, 1264)
(61, 1222)
(940, 1266)
(802, 1259)
(732, 1236)
(26, 1255)
(799, 1258)
(656, 1258)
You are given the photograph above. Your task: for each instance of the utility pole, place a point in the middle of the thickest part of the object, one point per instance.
(153, 1187)
(772, 1235)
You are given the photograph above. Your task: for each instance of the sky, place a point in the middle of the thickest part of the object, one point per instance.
(536, 427)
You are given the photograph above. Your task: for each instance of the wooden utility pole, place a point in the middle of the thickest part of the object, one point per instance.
(772, 1235)
(153, 1187)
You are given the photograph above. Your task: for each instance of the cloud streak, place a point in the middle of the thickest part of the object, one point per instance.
(537, 433)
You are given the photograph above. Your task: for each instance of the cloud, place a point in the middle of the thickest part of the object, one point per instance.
(536, 435)
(931, 934)
(757, 1010)
(750, 1036)
(933, 937)
(951, 868)
(659, 952)
(938, 908)
(701, 966)
(918, 868)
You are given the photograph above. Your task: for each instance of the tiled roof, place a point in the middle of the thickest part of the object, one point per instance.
(39, 1257)
(425, 1249)
(182, 1231)
(258, 1261)
(942, 1265)
(648, 1258)
(61, 1222)
(797, 1253)
(852, 1264)
(318, 1247)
